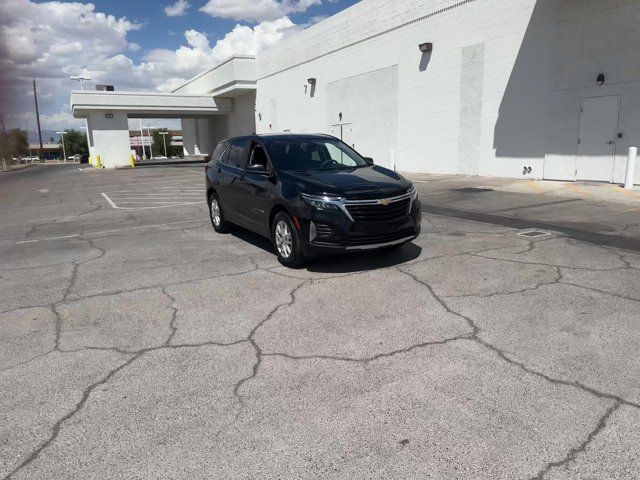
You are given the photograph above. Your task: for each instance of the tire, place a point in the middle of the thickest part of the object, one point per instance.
(218, 222)
(286, 241)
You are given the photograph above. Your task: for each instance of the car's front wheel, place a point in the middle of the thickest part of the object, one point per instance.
(286, 241)
(216, 215)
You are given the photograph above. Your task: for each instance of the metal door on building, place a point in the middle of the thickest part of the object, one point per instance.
(597, 136)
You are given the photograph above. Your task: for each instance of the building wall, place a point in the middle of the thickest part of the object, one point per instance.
(109, 138)
(500, 91)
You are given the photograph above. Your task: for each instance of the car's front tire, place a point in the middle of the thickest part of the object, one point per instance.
(286, 241)
(218, 222)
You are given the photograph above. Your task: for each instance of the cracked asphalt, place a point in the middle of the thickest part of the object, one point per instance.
(137, 343)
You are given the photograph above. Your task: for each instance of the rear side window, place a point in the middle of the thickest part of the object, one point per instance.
(219, 151)
(236, 153)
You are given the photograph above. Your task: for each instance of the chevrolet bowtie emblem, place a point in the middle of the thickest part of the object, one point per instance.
(384, 201)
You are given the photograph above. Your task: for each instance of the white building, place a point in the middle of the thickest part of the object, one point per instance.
(541, 88)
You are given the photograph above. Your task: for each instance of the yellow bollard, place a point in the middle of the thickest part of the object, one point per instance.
(90, 160)
(99, 163)
(133, 162)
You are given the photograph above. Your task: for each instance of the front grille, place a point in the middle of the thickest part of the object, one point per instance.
(375, 213)
(376, 239)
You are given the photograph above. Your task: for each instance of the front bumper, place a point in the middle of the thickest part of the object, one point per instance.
(334, 231)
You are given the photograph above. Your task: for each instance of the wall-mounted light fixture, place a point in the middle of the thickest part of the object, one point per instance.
(260, 116)
(426, 47)
(340, 116)
(600, 80)
(108, 115)
(311, 81)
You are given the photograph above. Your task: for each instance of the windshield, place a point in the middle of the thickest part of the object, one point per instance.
(314, 154)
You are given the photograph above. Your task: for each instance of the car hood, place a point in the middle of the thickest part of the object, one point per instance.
(358, 182)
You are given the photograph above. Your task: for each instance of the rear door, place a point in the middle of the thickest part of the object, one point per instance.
(231, 176)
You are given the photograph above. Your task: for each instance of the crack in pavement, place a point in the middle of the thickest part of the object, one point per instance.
(370, 359)
(555, 281)
(58, 425)
(258, 351)
(575, 451)
(172, 322)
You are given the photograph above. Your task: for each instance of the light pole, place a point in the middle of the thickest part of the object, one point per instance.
(80, 79)
(64, 152)
(164, 140)
(150, 141)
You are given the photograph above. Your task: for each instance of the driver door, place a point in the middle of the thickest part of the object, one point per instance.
(257, 190)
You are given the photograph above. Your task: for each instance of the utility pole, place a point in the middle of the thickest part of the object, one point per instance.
(141, 139)
(2, 120)
(35, 96)
(164, 140)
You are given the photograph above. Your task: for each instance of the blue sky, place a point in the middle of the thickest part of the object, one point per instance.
(161, 31)
(132, 44)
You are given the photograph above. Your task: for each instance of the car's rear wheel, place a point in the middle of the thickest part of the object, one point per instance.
(286, 241)
(216, 215)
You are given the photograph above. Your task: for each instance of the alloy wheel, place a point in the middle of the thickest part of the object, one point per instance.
(284, 242)
(215, 212)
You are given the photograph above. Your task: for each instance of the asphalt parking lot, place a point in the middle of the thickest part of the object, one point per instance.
(137, 343)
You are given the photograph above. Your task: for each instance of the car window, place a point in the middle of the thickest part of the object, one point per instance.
(236, 153)
(257, 156)
(219, 151)
(340, 156)
(313, 154)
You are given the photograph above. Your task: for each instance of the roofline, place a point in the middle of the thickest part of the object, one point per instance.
(225, 61)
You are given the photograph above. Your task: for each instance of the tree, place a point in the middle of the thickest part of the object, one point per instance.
(158, 144)
(13, 144)
(75, 142)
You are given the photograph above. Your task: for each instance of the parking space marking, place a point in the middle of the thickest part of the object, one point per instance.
(109, 200)
(103, 232)
(145, 195)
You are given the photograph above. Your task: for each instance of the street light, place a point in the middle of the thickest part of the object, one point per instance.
(80, 79)
(150, 141)
(164, 140)
(64, 152)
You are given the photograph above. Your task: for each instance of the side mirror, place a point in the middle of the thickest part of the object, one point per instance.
(256, 168)
(369, 160)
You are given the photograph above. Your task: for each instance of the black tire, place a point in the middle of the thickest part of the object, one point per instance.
(218, 222)
(286, 241)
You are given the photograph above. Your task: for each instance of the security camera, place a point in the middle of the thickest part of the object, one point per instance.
(426, 47)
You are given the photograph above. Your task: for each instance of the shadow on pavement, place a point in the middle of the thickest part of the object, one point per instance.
(341, 262)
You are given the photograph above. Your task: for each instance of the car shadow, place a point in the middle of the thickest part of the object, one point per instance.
(364, 261)
(341, 262)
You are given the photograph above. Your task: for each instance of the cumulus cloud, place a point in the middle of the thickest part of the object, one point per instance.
(51, 41)
(177, 9)
(189, 60)
(256, 10)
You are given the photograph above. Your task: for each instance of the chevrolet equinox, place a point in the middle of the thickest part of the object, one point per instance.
(308, 194)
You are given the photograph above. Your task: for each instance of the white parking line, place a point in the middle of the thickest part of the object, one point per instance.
(109, 200)
(76, 235)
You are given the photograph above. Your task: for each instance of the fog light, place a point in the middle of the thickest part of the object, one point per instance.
(313, 233)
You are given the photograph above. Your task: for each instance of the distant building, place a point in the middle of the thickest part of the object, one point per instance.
(518, 88)
(136, 141)
(50, 151)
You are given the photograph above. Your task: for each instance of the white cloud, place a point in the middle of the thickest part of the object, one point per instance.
(177, 9)
(189, 60)
(51, 41)
(256, 10)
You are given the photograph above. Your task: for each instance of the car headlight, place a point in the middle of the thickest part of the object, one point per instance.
(413, 191)
(322, 202)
